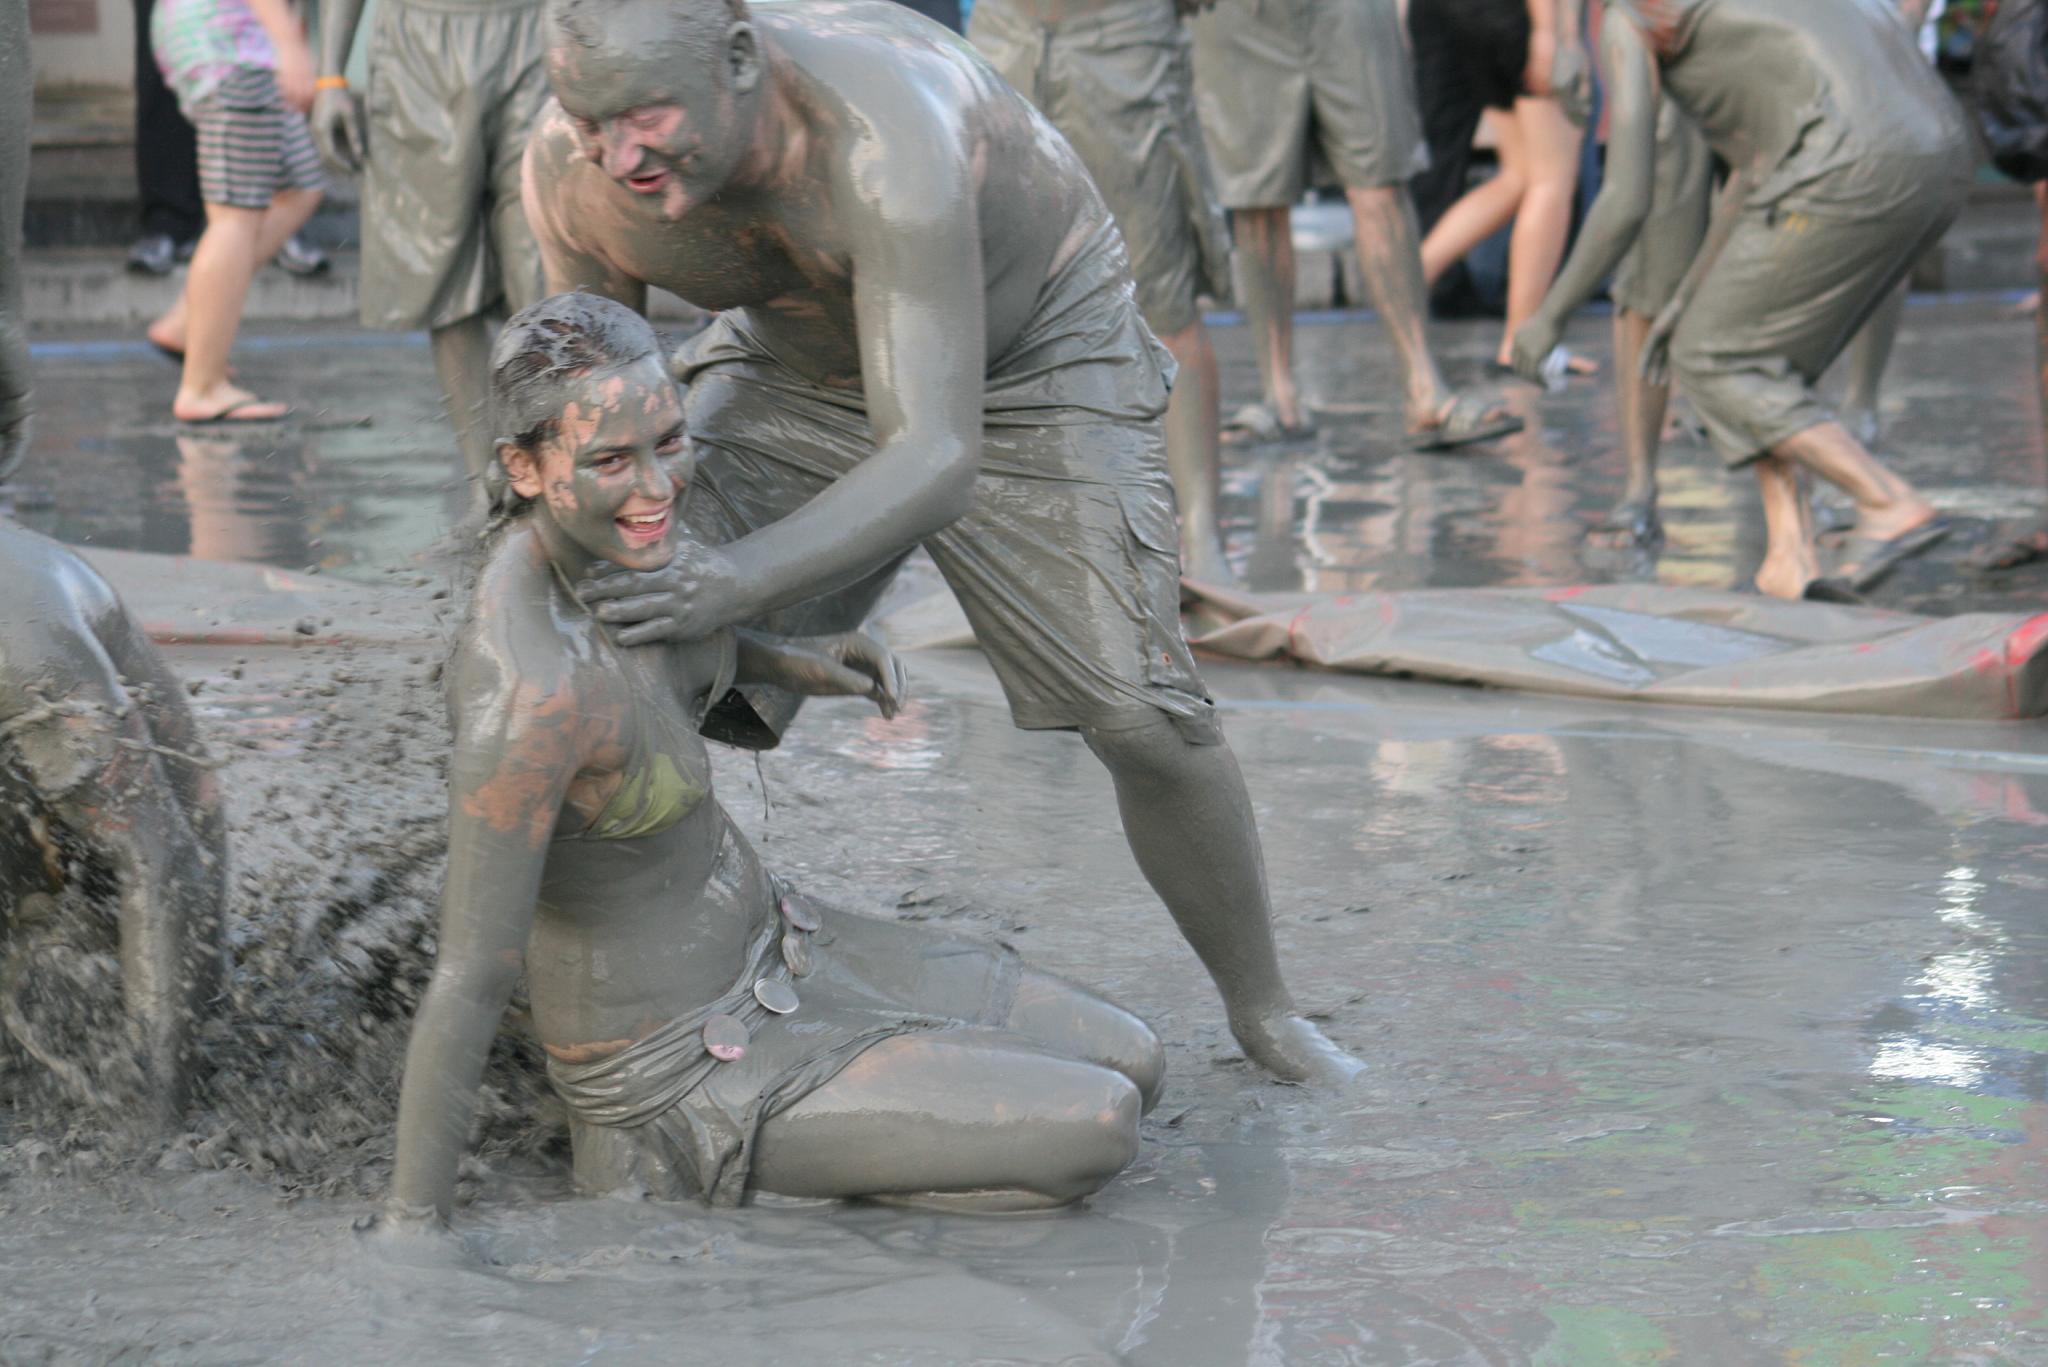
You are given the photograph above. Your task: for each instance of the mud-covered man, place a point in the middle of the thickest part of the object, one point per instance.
(106, 802)
(929, 334)
(454, 88)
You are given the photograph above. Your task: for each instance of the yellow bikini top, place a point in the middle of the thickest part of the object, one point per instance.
(656, 793)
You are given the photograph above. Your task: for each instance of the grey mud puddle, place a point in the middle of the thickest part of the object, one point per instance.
(1695, 1038)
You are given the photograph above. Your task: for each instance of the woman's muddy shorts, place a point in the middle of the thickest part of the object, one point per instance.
(865, 981)
(454, 90)
(1116, 83)
(1786, 294)
(1278, 81)
(250, 145)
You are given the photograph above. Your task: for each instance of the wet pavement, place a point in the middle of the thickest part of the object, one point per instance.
(1696, 1037)
(366, 476)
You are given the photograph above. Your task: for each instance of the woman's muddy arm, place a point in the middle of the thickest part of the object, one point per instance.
(848, 664)
(516, 751)
(1623, 204)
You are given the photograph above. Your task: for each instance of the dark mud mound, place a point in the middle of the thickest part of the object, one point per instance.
(332, 763)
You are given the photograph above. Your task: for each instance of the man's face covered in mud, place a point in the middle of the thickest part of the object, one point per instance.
(609, 476)
(662, 93)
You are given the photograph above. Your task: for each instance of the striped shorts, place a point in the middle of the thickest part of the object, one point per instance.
(250, 145)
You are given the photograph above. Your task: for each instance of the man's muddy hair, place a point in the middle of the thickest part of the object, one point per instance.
(583, 21)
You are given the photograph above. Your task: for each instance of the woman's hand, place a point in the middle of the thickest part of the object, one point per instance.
(1534, 341)
(848, 665)
(687, 599)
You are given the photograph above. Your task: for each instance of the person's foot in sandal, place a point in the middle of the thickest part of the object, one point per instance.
(226, 404)
(1464, 419)
(1867, 557)
(1631, 524)
(1257, 424)
(2022, 545)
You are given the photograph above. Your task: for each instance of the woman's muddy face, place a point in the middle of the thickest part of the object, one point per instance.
(610, 476)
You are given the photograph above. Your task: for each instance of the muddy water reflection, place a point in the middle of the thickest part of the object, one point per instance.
(358, 482)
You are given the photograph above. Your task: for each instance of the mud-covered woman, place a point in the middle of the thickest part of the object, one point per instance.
(713, 1032)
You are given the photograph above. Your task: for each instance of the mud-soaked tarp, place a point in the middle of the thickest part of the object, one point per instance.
(1646, 643)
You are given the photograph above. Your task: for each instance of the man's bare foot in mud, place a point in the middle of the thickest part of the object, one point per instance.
(1293, 1050)
(1461, 420)
(1631, 524)
(1786, 576)
(2008, 550)
(225, 403)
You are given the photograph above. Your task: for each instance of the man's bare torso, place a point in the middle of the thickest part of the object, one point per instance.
(902, 123)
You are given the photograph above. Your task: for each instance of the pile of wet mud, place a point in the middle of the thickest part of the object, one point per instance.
(332, 763)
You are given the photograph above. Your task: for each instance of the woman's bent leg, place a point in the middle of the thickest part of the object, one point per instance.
(1068, 1019)
(956, 1119)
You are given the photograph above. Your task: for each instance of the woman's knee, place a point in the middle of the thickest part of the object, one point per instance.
(1092, 1141)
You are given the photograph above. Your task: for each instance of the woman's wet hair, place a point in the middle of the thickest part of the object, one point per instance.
(563, 337)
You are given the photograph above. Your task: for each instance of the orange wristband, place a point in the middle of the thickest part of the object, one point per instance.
(331, 83)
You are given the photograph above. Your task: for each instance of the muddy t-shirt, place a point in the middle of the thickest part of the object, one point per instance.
(1826, 102)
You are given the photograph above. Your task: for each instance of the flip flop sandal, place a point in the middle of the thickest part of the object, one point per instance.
(1256, 424)
(1866, 560)
(1469, 420)
(1827, 589)
(227, 416)
(1636, 519)
(2021, 548)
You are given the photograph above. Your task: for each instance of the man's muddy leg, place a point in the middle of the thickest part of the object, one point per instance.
(1789, 563)
(15, 91)
(1886, 505)
(1390, 259)
(1633, 520)
(1869, 353)
(1265, 251)
(1189, 822)
(462, 363)
(1193, 454)
(907, 1123)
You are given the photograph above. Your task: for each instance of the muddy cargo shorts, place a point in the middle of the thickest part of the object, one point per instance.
(454, 90)
(1117, 84)
(1068, 564)
(250, 145)
(1280, 82)
(1785, 296)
